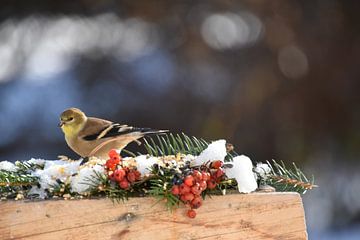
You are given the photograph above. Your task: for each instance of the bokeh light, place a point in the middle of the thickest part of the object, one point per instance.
(293, 62)
(230, 30)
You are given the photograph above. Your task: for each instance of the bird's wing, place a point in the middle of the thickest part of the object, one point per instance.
(96, 128)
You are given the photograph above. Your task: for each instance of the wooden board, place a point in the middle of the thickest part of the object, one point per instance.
(235, 216)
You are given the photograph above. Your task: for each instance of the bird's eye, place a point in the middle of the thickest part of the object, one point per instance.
(70, 119)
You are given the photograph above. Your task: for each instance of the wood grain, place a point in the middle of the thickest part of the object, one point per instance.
(235, 216)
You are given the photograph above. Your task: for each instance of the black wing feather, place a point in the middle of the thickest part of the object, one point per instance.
(118, 130)
(93, 136)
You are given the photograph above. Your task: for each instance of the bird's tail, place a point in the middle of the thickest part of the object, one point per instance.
(149, 131)
(142, 132)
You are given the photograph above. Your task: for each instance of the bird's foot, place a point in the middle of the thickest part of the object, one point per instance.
(84, 160)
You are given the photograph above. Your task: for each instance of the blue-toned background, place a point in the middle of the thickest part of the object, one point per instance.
(278, 79)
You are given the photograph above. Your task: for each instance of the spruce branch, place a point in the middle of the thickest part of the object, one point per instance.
(26, 166)
(101, 185)
(9, 179)
(160, 187)
(14, 182)
(172, 144)
(287, 179)
(161, 190)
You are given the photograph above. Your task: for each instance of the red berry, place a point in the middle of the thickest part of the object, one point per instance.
(189, 180)
(196, 189)
(137, 175)
(197, 175)
(182, 198)
(131, 176)
(205, 175)
(175, 190)
(110, 164)
(112, 153)
(188, 197)
(217, 164)
(203, 185)
(124, 184)
(112, 177)
(191, 213)
(219, 173)
(116, 159)
(184, 188)
(211, 184)
(196, 202)
(119, 174)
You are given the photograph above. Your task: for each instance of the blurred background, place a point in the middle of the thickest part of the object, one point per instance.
(278, 79)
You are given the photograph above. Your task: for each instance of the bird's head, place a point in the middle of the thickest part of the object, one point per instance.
(72, 120)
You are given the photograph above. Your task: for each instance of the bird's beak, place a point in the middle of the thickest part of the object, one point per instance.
(61, 123)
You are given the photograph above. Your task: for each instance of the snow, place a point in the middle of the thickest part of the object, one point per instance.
(8, 166)
(242, 172)
(53, 170)
(215, 151)
(78, 182)
(40, 192)
(263, 169)
(37, 161)
(144, 163)
(189, 158)
(66, 171)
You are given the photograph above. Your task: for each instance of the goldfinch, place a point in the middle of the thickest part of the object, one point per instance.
(89, 136)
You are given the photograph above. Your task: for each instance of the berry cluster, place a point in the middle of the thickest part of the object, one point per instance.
(217, 174)
(191, 186)
(113, 161)
(124, 176)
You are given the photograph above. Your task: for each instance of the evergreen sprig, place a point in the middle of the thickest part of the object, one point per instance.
(100, 184)
(172, 144)
(285, 179)
(13, 182)
(160, 186)
(27, 166)
(10, 179)
(161, 190)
